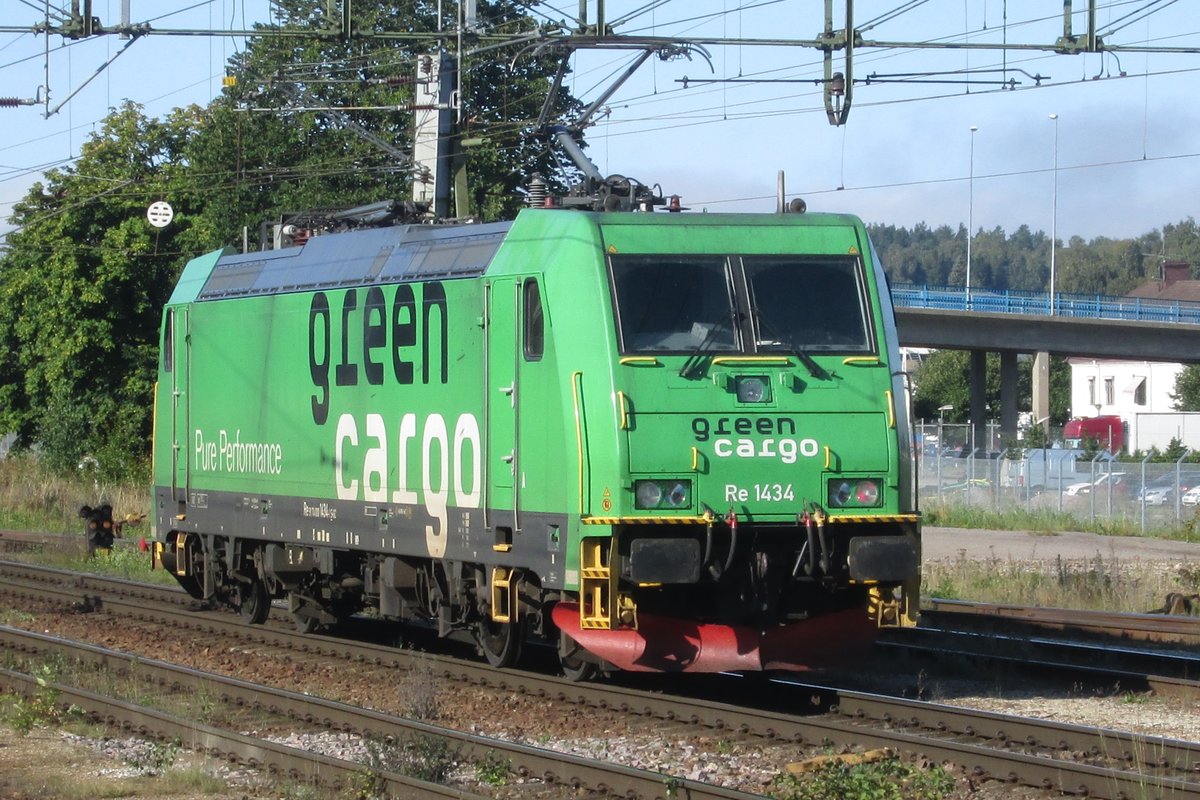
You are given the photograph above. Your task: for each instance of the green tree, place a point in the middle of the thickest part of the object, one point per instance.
(263, 155)
(1186, 395)
(943, 378)
(1181, 242)
(81, 292)
(85, 277)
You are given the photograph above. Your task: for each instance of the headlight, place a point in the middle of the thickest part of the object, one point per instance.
(648, 494)
(678, 496)
(855, 493)
(752, 389)
(664, 494)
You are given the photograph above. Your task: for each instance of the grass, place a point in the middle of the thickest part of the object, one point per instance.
(36, 741)
(125, 561)
(47, 763)
(35, 499)
(1044, 520)
(889, 779)
(1097, 584)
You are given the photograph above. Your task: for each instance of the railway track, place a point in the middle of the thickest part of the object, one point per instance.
(1101, 763)
(964, 615)
(1139, 652)
(1166, 673)
(543, 773)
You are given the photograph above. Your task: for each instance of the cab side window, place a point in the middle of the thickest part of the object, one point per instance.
(535, 323)
(168, 343)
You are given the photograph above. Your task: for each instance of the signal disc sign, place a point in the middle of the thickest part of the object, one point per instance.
(160, 214)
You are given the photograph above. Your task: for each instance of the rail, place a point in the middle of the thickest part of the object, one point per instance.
(1077, 306)
(1052, 754)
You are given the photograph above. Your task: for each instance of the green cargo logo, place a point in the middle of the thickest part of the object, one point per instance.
(394, 329)
(731, 437)
(451, 462)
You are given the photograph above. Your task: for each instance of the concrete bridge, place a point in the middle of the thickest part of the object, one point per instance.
(1096, 327)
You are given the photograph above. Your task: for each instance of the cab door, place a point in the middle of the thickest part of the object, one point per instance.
(500, 400)
(179, 342)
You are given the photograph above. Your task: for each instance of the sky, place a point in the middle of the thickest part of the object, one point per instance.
(1122, 157)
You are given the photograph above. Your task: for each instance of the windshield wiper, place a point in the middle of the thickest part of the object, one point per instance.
(814, 369)
(696, 360)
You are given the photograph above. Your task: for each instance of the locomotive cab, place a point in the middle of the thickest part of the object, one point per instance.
(766, 503)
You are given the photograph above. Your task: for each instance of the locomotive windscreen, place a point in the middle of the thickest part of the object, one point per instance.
(816, 304)
(674, 303)
(669, 303)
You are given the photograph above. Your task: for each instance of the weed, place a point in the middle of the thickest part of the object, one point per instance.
(420, 689)
(14, 617)
(155, 758)
(429, 758)
(889, 779)
(493, 769)
(41, 707)
(206, 704)
(304, 791)
(426, 758)
(1015, 516)
(365, 783)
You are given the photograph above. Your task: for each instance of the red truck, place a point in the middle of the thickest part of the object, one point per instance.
(1108, 430)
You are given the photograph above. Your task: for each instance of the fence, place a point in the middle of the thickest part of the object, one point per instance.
(1089, 306)
(957, 438)
(1142, 494)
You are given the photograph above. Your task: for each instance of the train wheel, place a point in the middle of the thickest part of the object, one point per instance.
(306, 624)
(253, 602)
(501, 642)
(302, 616)
(577, 669)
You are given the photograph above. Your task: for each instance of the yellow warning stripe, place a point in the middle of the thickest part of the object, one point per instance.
(645, 520)
(874, 518)
(706, 520)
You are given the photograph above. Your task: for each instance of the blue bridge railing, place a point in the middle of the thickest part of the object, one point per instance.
(1089, 306)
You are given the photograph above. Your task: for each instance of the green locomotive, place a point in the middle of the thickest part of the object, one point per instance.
(657, 441)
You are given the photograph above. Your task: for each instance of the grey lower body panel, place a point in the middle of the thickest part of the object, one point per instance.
(539, 544)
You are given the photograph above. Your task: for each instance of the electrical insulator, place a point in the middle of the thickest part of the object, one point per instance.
(9, 102)
(537, 192)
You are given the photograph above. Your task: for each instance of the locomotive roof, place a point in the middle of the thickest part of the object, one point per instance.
(416, 252)
(374, 255)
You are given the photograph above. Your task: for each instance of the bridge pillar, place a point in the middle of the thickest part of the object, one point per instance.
(1008, 395)
(978, 379)
(1041, 391)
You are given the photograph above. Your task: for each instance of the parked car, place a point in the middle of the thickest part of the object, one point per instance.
(1191, 497)
(1161, 491)
(1116, 479)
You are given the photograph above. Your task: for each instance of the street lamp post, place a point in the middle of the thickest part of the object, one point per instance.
(970, 213)
(941, 446)
(1054, 214)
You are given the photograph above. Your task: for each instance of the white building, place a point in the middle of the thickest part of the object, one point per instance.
(1100, 387)
(1135, 390)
